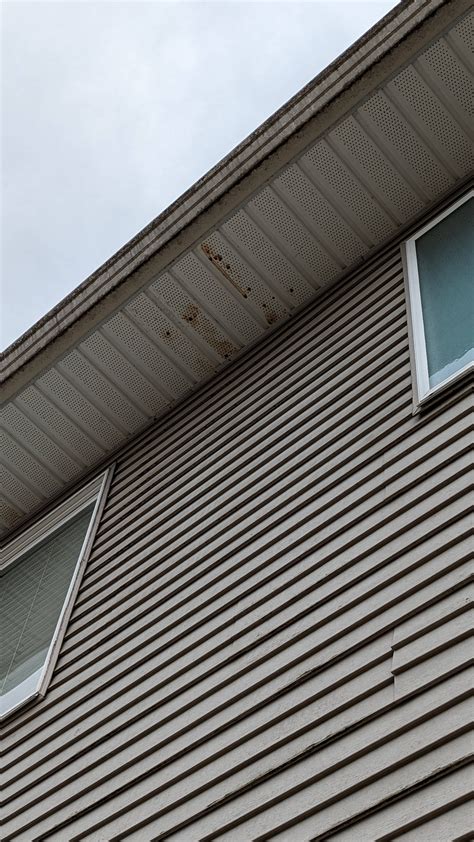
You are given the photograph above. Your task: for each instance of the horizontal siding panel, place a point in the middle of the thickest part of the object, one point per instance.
(123, 760)
(459, 654)
(173, 584)
(125, 674)
(388, 739)
(431, 617)
(315, 423)
(345, 705)
(396, 761)
(342, 677)
(146, 557)
(258, 407)
(266, 615)
(149, 681)
(261, 373)
(448, 634)
(411, 775)
(271, 639)
(174, 566)
(152, 704)
(348, 539)
(265, 593)
(143, 687)
(321, 413)
(174, 717)
(336, 480)
(451, 794)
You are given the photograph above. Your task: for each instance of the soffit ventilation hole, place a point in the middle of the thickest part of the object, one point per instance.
(79, 407)
(465, 31)
(60, 426)
(103, 390)
(407, 144)
(370, 160)
(222, 301)
(244, 231)
(167, 333)
(20, 495)
(444, 64)
(32, 471)
(247, 281)
(322, 160)
(335, 230)
(421, 99)
(302, 244)
(24, 430)
(160, 368)
(187, 310)
(117, 364)
(8, 516)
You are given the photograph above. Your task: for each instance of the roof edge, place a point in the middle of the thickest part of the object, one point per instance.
(328, 85)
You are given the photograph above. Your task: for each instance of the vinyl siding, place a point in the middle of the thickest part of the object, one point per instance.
(273, 635)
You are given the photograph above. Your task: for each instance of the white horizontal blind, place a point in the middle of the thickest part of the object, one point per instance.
(32, 594)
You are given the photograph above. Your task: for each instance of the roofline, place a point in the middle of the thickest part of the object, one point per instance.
(408, 27)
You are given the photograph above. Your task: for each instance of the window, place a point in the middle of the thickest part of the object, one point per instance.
(440, 271)
(40, 573)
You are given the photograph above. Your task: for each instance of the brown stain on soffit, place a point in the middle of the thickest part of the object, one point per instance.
(408, 27)
(208, 332)
(222, 267)
(226, 271)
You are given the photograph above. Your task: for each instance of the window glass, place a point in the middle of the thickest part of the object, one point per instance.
(445, 258)
(33, 590)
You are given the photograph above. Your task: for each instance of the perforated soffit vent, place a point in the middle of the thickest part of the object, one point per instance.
(350, 192)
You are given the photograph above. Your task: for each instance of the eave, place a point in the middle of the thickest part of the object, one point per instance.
(367, 147)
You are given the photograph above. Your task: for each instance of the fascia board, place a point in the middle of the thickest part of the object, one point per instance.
(380, 53)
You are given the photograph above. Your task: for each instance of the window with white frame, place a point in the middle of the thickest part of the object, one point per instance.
(440, 271)
(40, 572)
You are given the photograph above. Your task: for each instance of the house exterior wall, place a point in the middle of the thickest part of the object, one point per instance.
(271, 637)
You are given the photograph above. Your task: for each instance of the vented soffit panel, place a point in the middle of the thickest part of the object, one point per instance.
(403, 32)
(353, 185)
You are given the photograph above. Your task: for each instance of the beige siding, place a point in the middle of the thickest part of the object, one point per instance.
(273, 636)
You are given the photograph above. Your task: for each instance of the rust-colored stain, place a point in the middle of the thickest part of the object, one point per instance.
(206, 329)
(271, 317)
(224, 349)
(192, 313)
(200, 364)
(224, 268)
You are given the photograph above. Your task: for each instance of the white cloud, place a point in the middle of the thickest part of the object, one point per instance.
(111, 110)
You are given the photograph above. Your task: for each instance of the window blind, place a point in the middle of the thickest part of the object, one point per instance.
(33, 589)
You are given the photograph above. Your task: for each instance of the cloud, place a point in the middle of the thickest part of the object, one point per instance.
(111, 110)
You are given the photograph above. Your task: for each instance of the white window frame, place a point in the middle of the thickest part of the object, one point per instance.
(95, 490)
(423, 391)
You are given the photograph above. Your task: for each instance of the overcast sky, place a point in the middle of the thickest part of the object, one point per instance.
(111, 110)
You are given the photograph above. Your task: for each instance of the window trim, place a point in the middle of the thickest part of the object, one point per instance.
(95, 490)
(422, 390)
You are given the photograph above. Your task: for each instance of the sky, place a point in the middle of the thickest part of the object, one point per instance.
(110, 110)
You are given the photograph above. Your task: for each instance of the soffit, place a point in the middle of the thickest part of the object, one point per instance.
(388, 46)
(387, 161)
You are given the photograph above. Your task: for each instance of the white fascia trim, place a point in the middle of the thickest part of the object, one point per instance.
(423, 391)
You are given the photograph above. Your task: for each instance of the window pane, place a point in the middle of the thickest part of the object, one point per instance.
(32, 594)
(446, 269)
